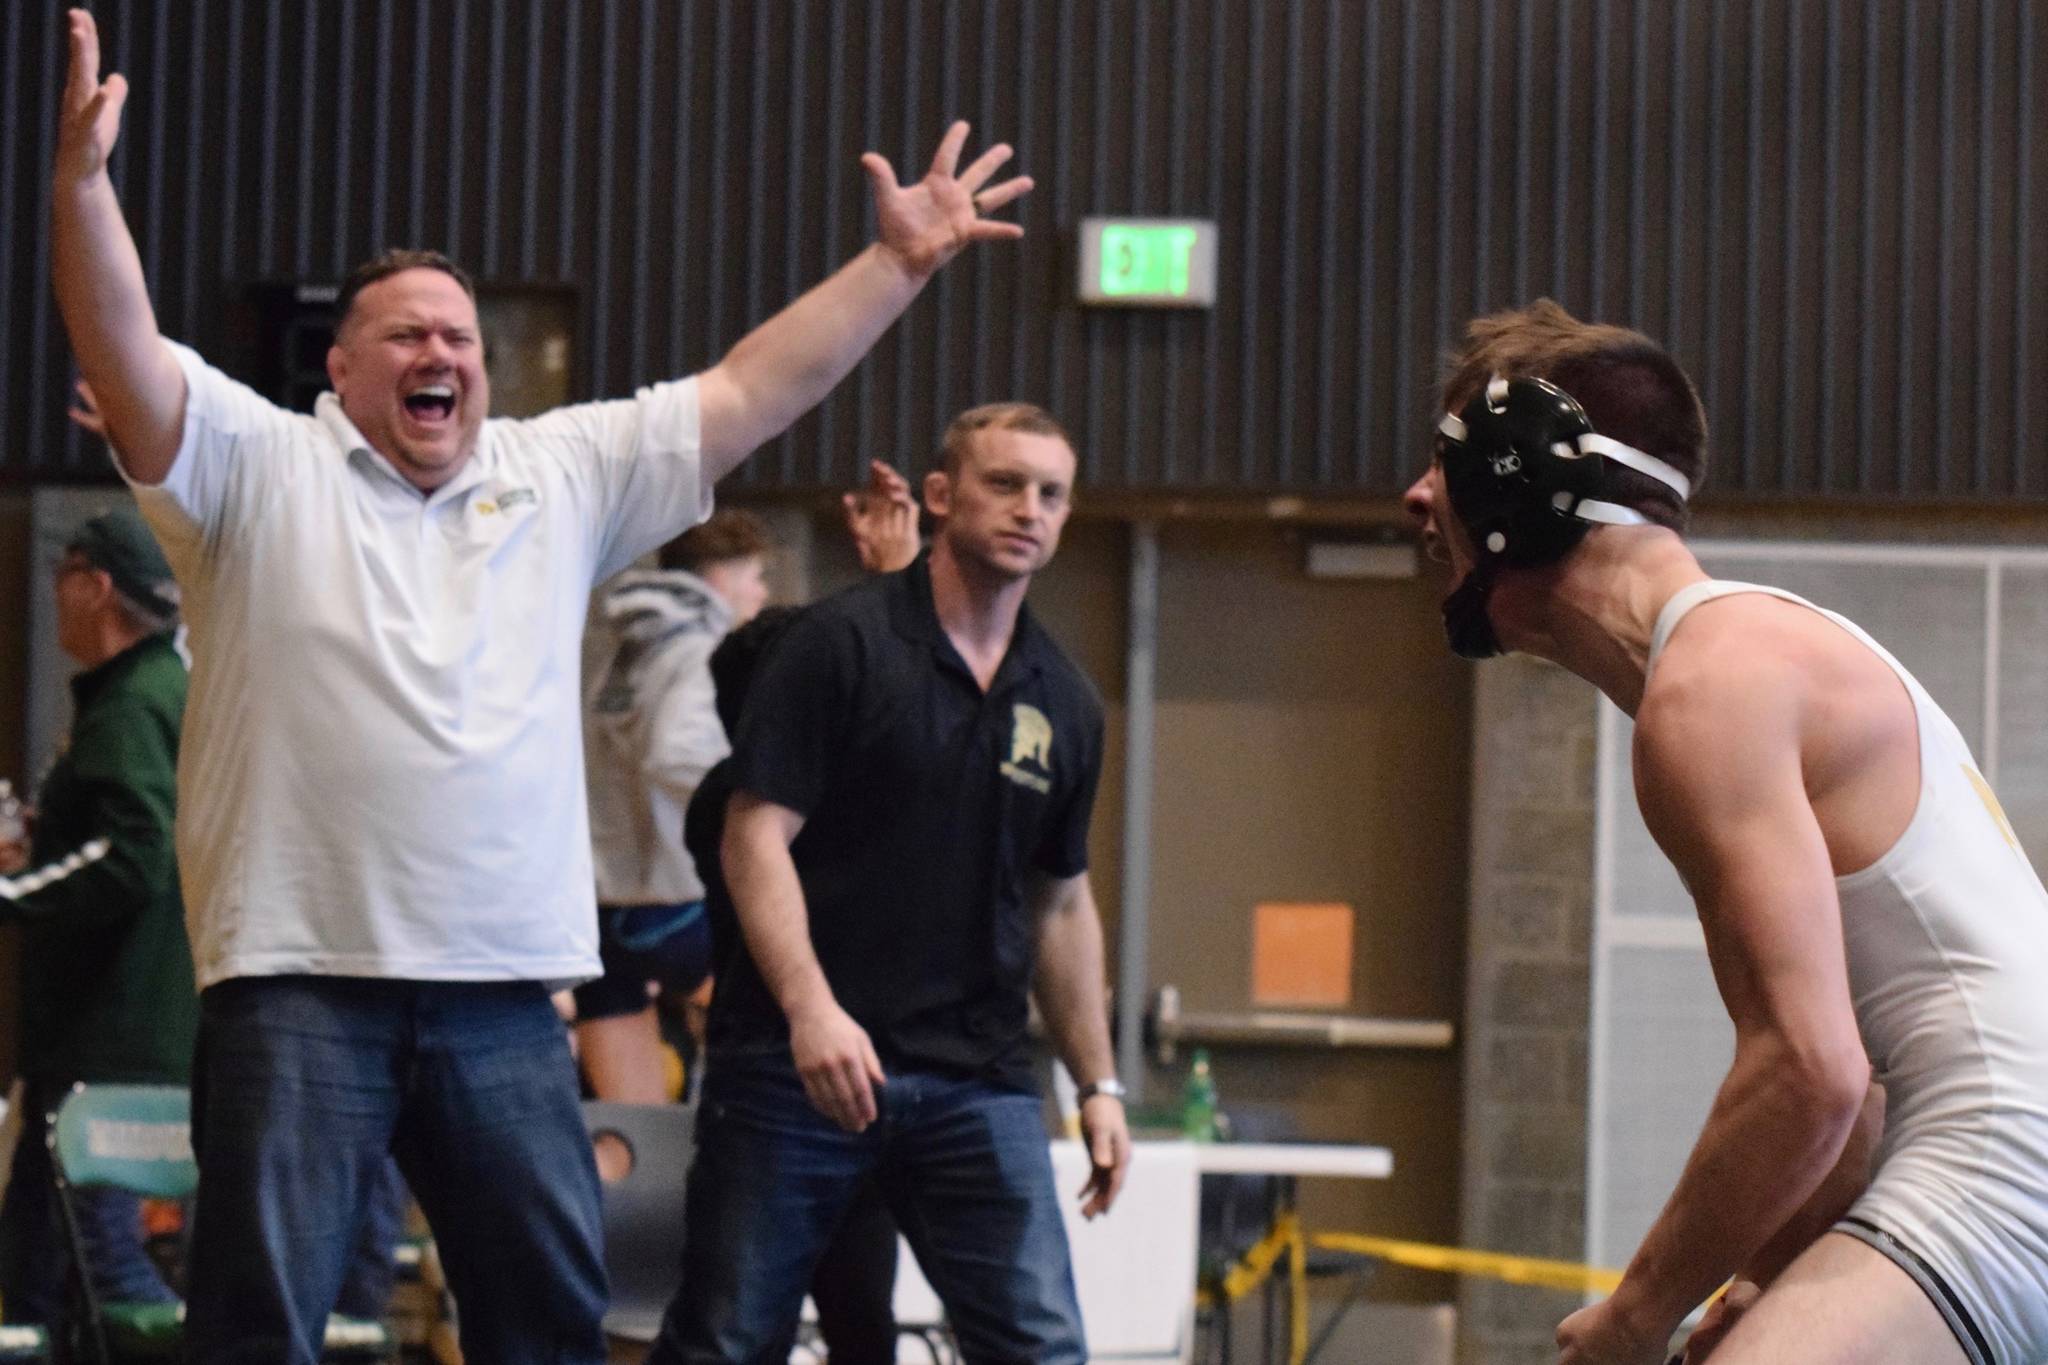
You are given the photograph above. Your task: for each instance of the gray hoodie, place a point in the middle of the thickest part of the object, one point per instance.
(650, 728)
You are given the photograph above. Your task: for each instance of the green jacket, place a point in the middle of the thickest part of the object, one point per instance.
(106, 974)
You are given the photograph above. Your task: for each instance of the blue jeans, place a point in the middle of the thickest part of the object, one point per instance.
(304, 1089)
(963, 1165)
(33, 1255)
(372, 1264)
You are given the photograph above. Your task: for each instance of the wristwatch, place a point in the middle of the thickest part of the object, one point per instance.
(1111, 1087)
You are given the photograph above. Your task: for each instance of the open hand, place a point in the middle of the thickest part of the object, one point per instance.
(925, 224)
(86, 411)
(881, 516)
(90, 112)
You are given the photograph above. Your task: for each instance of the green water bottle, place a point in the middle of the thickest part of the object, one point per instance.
(1198, 1100)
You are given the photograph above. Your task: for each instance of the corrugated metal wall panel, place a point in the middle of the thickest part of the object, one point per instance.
(1825, 208)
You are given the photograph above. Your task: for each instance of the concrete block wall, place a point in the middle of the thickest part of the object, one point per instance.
(1527, 994)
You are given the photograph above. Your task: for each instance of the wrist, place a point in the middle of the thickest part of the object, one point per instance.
(79, 173)
(911, 272)
(1108, 1088)
(807, 1002)
(1642, 1316)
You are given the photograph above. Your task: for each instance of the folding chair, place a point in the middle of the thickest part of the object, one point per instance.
(138, 1138)
(1237, 1211)
(643, 1210)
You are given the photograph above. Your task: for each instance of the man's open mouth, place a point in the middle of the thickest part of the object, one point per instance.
(431, 403)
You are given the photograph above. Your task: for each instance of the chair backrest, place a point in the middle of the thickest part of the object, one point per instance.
(1235, 1207)
(131, 1137)
(643, 1211)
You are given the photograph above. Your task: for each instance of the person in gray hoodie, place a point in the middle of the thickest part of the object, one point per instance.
(650, 733)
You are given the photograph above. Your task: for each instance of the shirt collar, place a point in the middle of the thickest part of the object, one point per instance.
(358, 451)
(916, 617)
(91, 682)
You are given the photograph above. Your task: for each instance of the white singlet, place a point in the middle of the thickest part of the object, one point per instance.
(1947, 942)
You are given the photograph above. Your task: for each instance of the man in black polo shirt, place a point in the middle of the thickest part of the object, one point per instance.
(906, 852)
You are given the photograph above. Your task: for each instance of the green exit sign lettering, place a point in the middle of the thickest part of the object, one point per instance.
(1148, 262)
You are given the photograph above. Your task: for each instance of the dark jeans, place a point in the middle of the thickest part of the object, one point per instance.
(373, 1265)
(963, 1165)
(33, 1255)
(854, 1285)
(306, 1087)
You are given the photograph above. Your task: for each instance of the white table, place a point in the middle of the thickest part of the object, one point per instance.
(1134, 1267)
(1290, 1158)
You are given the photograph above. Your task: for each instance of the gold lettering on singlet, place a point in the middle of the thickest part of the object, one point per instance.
(1990, 800)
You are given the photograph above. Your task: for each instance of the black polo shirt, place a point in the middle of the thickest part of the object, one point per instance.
(927, 807)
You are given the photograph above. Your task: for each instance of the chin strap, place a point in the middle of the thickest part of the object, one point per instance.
(1467, 625)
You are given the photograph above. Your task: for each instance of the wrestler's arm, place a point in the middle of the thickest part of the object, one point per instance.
(97, 275)
(784, 367)
(1718, 776)
(1821, 1212)
(1839, 1189)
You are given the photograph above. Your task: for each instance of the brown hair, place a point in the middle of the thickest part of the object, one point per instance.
(729, 534)
(1025, 417)
(388, 263)
(1629, 386)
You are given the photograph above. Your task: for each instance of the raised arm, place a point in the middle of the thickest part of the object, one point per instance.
(98, 276)
(784, 367)
(1719, 778)
(1074, 1002)
(833, 1053)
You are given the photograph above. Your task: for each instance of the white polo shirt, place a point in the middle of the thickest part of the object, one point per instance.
(381, 772)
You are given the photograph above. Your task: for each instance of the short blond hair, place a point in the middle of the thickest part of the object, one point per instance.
(1025, 417)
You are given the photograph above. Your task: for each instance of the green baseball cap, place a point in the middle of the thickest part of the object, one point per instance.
(119, 542)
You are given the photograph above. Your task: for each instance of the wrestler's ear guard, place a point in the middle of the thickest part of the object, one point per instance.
(1524, 471)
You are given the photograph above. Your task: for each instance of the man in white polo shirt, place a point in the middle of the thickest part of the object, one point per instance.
(382, 828)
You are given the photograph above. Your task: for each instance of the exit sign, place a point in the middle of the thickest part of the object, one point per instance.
(1148, 262)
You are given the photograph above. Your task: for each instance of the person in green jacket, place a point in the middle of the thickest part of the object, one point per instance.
(105, 991)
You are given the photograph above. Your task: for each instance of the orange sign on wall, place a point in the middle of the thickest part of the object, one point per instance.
(1301, 953)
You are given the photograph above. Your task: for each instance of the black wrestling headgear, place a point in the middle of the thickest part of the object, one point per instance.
(1525, 472)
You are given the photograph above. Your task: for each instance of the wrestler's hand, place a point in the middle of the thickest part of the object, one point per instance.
(1600, 1335)
(837, 1064)
(1721, 1315)
(1108, 1138)
(882, 519)
(89, 119)
(925, 224)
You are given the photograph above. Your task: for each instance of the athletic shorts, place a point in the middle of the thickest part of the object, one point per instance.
(668, 945)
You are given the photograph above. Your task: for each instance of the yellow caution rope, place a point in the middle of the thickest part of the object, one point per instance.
(1494, 1265)
(1286, 1239)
